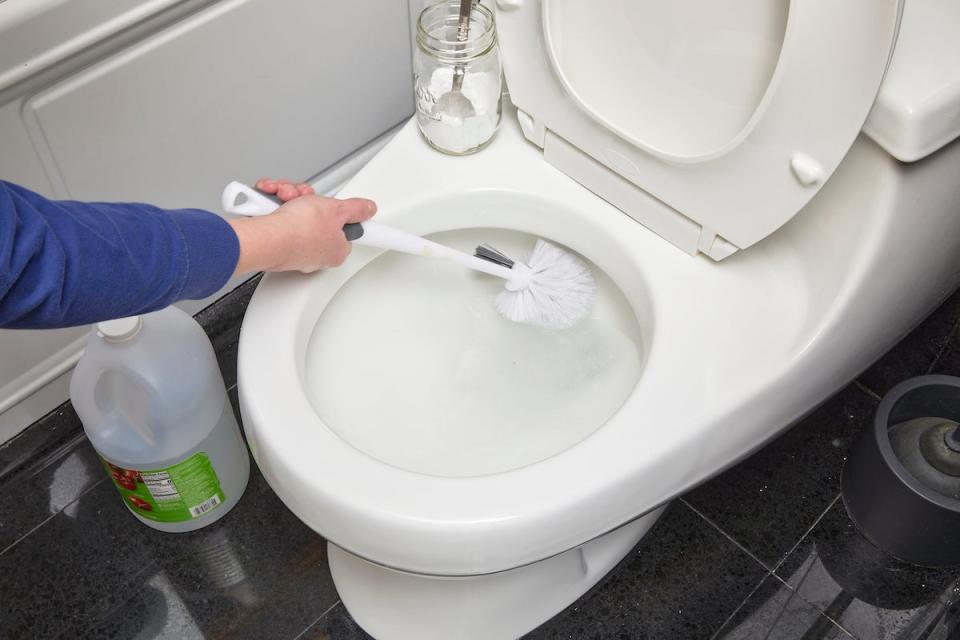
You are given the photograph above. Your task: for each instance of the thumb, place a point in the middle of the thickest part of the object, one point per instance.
(356, 209)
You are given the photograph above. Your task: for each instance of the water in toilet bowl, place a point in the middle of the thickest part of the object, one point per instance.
(411, 363)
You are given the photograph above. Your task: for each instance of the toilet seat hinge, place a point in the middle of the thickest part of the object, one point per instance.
(533, 130)
(715, 246)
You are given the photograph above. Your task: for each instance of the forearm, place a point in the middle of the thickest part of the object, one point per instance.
(66, 263)
(70, 263)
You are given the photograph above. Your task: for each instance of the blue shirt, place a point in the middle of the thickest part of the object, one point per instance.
(65, 263)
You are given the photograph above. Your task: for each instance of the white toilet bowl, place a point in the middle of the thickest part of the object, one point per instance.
(474, 477)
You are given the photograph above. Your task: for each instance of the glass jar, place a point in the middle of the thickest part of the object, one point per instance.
(447, 122)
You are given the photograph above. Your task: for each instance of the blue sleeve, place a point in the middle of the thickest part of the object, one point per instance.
(65, 263)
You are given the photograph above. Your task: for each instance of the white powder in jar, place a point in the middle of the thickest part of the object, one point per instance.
(459, 135)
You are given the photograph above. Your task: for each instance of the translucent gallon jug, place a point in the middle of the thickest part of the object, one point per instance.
(153, 404)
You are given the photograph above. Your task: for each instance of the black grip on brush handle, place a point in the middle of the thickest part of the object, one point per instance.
(352, 230)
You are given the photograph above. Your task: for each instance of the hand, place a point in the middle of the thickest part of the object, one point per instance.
(304, 234)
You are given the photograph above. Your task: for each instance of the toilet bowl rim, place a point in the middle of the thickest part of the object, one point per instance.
(497, 522)
(280, 301)
(289, 298)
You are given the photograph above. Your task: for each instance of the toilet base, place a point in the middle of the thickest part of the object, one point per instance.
(393, 605)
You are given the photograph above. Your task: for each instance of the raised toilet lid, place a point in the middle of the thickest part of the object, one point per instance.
(712, 123)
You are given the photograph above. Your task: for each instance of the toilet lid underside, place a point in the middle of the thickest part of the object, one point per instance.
(822, 82)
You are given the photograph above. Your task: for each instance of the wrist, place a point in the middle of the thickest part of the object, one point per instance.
(261, 244)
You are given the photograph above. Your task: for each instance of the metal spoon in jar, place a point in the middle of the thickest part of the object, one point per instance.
(453, 103)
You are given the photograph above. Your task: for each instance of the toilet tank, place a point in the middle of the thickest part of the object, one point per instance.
(917, 110)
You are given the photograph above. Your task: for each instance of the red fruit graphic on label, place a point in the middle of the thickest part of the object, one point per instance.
(124, 478)
(140, 503)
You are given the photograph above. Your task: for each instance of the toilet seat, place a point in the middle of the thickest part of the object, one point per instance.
(710, 197)
(463, 526)
(417, 522)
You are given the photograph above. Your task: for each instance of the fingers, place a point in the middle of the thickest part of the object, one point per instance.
(267, 185)
(356, 209)
(287, 191)
(284, 189)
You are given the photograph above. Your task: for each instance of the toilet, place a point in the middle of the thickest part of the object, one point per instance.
(767, 195)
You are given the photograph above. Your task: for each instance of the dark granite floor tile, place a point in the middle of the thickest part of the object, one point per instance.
(221, 320)
(43, 439)
(234, 396)
(336, 624)
(94, 571)
(949, 361)
(83, 556)
(769, 501)
(917, 352)
(227, 359)
(682, 583)
(41, 483)
(776, 612)
(224, 315)
(868, 593)
(36, 497)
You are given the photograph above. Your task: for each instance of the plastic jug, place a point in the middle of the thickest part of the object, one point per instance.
(153, 404)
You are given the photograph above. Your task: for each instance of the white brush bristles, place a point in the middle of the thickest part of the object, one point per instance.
(553, 290)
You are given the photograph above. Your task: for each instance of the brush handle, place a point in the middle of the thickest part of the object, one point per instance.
(369, 233)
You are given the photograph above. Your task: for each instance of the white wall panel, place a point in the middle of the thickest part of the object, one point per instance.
(246, 87)
(41, 33)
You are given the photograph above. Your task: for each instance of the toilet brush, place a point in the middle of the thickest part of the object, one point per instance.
(553, 289)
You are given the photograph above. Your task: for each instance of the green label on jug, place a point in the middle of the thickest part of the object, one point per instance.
(176, 494)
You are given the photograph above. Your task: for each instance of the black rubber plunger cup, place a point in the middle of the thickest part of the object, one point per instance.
(901, 482)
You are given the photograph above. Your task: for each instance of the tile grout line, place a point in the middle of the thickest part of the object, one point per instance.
(153, 566)
(815, 607)
(726, 535)
(319, 618)
(736, 609)
(812, 605)
(943, 347)
(818, 609)
(51, 517)
(59, 452)
(806, 533)
(793, 594)
(771, 573)
(783, 610)
(867, 390)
